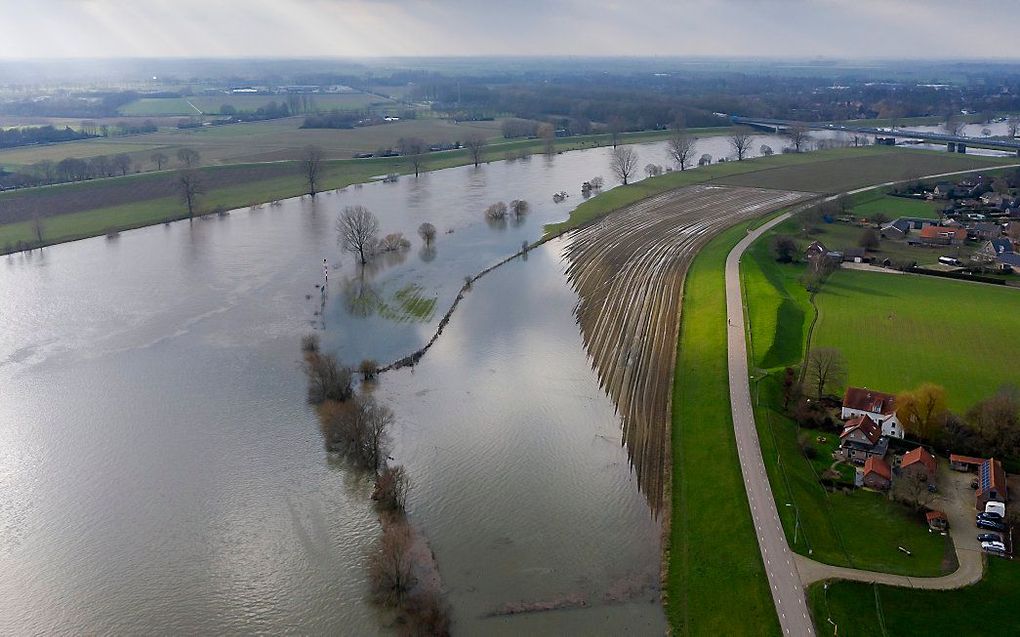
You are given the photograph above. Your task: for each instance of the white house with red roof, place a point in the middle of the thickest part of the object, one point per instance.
(861, 440)
(878, 406)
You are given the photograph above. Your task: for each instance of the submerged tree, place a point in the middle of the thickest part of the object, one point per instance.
(357, 232)
(475, 144)
(311, 167)
(190, 187)
(427, 232)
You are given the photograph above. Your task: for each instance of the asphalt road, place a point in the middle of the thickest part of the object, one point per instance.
(780, 566)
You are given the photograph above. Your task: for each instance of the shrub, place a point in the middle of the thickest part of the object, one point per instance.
(393, 242)
(391, 569)
(310, 343)
(368, 368)
(391, 488)
(496, 212)
(327, 379)
(428, 615)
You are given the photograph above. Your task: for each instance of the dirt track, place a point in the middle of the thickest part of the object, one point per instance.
(628, 270)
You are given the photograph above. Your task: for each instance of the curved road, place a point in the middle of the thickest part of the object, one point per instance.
(787, 572)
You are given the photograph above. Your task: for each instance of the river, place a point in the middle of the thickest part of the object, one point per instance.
(160, 471)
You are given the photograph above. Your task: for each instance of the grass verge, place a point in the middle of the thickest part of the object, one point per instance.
(714, 565)
(866, 610)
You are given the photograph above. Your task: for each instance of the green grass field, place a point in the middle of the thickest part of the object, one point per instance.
(868, 205)
(898, 331)
(711, 589)
(861, 529)
(865, 610)
(159, 106)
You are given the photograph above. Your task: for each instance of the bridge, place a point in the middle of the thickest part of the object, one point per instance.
(954, 143)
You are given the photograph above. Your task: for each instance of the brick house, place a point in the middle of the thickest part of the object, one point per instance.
(877, 474)
(918, 464)
(943, 236)
(879, 406)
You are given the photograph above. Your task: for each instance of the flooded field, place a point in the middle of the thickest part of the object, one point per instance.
(161, 472)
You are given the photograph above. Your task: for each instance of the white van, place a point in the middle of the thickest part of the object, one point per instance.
(996, 507)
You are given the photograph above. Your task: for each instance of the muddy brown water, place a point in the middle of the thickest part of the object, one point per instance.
(161, 473)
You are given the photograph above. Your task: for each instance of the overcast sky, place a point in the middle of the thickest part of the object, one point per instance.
(301, 28)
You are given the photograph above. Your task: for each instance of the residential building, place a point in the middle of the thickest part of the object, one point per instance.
(991, 484)
(877, 474)
(941, 235)
(918, 464)
(861, 439)
(879, 406)
(1009, 261)
(993, 249)
(896, 229)
(816, 249)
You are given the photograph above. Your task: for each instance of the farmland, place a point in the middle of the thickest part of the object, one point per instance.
(897, 332)
(628, 270)
(836, 176)
(865, 610)
(872, 203)
(701, 581)
(211, 104)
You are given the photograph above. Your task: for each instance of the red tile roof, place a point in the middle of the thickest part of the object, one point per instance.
(955, 457)
(941, 232)
(864, 399)
(919, 455)
(867, 426)
(879, 466)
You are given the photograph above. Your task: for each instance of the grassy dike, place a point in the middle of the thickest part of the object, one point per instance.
(286, 181)
(716, 582)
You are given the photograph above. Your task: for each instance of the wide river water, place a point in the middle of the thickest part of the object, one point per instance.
(161, 473)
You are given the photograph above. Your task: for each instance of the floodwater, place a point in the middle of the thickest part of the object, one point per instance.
(995, 129)
(160, 471)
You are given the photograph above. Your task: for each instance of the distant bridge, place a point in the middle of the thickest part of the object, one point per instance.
(954, 143)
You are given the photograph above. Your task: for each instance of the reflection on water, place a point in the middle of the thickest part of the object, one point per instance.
(161, 472)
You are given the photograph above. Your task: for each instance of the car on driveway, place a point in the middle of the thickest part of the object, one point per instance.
(994, 547)
(990, 524)
(989, 537)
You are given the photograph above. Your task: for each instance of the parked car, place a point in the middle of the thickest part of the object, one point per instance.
(991, 525)
(998, 508)
(989, 537)
(990, 515)
(994, 547)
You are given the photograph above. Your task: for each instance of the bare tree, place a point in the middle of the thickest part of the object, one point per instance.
(1013, 126)
(311, 167)
(496, 212)
(392, 569)
(547, 134)
(653, 170)
(623, 161)
(121, 163)
(913, 492)
(189, 157)
(427, 232)
(740, 141)
(519, 208)
(826, 371)
(37, 229)
(680, 148)
(357, 231)
(391, 488)
(475, 144)
(799, 137)
(413, 150)
(954, 125)
(616, 127)
(160, 159)
(190, 187)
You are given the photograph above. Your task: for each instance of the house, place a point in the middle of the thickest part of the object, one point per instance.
(941, 235)
(861, 439)
(816, 249)
(964, 463)
(880, 407)
(877, 474)
(944, 190)
(991, 484)
(985, 230)
(918, 464)
(856, 255)
(937, 521)
(993, 249)
(896, 229)
(1009, 261)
